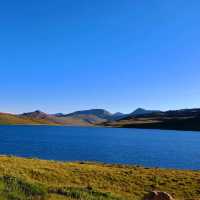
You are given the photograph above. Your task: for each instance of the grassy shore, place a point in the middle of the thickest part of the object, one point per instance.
(22, 179)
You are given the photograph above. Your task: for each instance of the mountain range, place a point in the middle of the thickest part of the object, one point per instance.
(83, 117)
(184, 119)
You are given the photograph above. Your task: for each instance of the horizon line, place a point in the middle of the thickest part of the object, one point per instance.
(161, 110)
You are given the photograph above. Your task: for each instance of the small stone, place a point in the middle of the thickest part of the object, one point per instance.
(158, 195)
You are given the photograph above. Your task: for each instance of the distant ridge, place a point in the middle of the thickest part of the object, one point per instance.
(183, 119)
(36, 114)
(92, 115)
(101, 113)
(39, 117)
(118, 115)
(141, 111)
(137, 112)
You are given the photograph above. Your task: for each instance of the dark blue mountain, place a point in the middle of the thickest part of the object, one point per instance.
(100, 113)
(141, 111)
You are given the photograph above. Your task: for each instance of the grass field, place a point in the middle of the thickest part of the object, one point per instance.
(22, 179)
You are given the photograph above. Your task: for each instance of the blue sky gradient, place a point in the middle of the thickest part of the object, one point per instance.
(66, 55)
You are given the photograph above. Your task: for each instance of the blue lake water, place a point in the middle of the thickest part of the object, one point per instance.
(151, 148)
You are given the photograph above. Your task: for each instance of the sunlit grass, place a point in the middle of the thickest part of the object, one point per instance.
(58, 180)
(9, 119)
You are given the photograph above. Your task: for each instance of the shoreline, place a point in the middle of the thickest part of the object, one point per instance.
(98, 126)
(121, 165)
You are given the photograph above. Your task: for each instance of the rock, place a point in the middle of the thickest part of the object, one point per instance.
(158, 195)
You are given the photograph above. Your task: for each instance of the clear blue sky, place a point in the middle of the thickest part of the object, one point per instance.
(66, 55)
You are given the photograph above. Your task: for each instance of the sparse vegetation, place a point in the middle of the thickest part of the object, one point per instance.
(9, 119)
(12, 188)
(40, 179)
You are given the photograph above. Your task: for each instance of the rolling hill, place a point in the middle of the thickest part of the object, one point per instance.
(93, 115)
(37, 117)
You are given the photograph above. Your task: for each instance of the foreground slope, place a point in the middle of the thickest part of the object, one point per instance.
(39, 179)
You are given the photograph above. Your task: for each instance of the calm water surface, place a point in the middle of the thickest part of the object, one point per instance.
(153, 148)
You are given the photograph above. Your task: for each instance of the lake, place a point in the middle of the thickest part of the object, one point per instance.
(151, 148)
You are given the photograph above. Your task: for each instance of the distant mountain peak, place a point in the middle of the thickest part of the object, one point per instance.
(118, 114)
(35, 114)
(142, 111)
(59, 114)
(101, 113)
(37, 111)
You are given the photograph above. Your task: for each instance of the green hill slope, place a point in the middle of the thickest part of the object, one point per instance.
(39, 179)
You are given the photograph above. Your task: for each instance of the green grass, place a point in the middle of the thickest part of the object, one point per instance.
(40, 179)
(12, 188)
(82, 193)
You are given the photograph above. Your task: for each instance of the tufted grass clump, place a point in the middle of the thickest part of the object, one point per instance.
(77, 193)
(12, 188)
